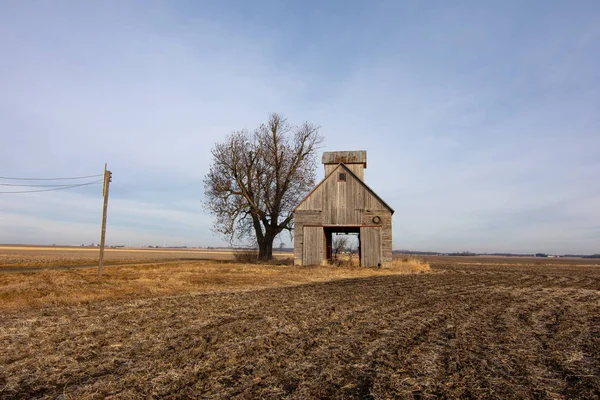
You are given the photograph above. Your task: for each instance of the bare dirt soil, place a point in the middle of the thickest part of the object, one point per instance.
(471, 328)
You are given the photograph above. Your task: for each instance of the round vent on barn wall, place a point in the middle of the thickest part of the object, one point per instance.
(376, 219)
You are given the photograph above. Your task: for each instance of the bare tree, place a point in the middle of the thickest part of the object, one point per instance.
(257, 179)
(340, 244)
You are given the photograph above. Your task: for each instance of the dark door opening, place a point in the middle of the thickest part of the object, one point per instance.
(342, 241)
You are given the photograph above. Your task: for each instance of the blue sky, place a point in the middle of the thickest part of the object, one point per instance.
(480, 119)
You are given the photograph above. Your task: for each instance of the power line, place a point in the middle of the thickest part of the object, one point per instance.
(59, 188)
(33, 185)
(50, 179)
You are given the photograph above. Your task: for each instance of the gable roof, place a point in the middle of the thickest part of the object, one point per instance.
(342, 165)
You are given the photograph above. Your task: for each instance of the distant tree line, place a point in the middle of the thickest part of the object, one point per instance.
(463, 254)
(421, 253)
(468, 253)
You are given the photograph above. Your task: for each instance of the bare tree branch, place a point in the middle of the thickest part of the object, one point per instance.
(257, 179)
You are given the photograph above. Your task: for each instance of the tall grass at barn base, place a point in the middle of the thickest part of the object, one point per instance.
(410, 265)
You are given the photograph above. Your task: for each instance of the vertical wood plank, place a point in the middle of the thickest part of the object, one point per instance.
(313, 245)
(370, 242)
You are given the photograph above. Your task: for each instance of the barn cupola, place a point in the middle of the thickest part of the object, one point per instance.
(356, 161)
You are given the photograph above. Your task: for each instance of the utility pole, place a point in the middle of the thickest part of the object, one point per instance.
(107, 180)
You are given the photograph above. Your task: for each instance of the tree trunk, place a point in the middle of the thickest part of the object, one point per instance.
(265, 247)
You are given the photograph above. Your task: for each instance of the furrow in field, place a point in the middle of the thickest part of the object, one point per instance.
(525, 333)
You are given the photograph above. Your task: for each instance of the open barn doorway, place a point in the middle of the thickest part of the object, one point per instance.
(342, 245)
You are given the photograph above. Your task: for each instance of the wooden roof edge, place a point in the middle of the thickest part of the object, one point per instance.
(368, 188)
(315, 188)
(345, 157)
(356, 177)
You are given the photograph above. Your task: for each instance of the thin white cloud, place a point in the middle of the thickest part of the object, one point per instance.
(480, 123)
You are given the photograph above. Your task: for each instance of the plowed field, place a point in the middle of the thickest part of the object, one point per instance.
(474, 329)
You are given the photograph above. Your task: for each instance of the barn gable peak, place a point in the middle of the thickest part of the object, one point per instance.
(339, 168)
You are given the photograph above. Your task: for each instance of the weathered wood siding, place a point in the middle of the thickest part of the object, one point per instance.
(357, 169)
(386, 232)
(314, 239)
(346, 157)
(370, 247)
(302, 218)
(342, 203)
(351, 203)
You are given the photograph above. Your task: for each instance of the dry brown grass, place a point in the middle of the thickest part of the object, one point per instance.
(404, 264)
(154, 272)
(49, 256)
(346, 260)
(410, 265)
(47, 287)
